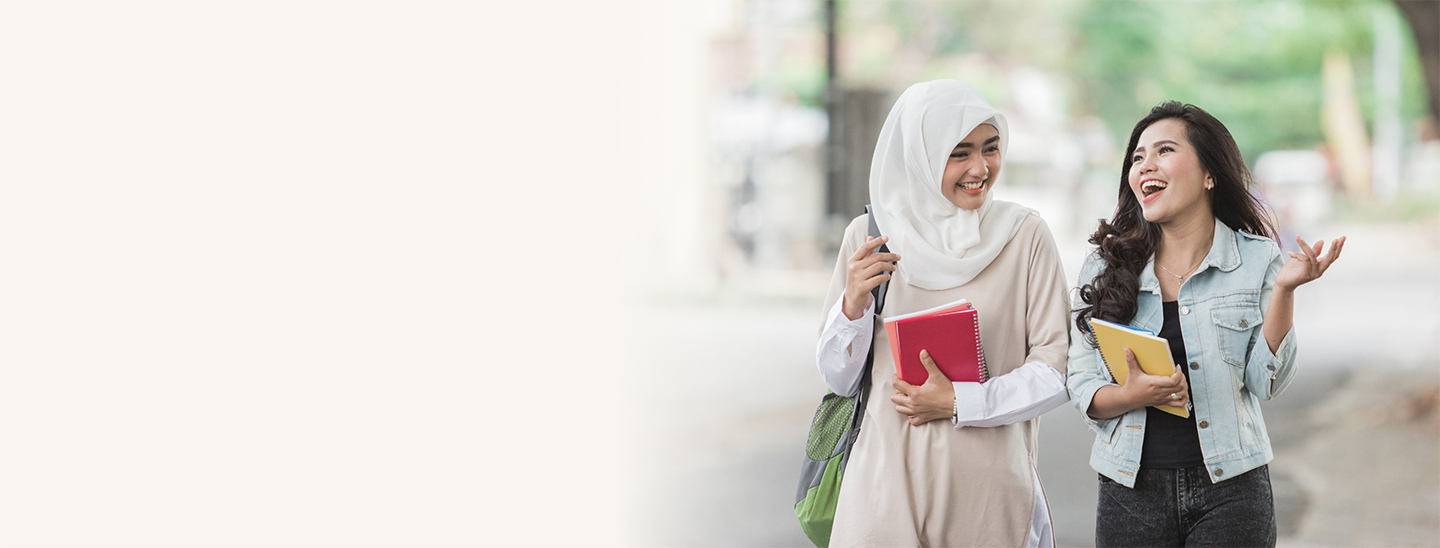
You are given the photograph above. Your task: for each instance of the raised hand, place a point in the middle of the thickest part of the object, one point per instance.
(935, 399)
(1307, 265)
(864, 271)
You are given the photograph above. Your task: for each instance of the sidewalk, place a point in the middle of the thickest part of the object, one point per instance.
(1369, 475)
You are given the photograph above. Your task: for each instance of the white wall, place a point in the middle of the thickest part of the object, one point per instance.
(333, 274)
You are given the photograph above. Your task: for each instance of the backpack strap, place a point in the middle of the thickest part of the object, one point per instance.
(864, 397)
(879, 291)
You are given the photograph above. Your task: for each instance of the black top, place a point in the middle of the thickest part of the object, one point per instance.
(1171, 441)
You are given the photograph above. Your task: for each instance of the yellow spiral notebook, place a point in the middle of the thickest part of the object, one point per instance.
(1152, 353)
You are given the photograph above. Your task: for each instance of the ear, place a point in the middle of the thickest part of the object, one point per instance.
(1209, 182)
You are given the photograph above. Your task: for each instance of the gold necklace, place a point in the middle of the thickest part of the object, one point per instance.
(1181, 279)
(1177, 276)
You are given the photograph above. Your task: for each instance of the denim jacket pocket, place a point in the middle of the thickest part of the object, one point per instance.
(1234, 326)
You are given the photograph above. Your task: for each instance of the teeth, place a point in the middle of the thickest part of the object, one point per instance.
(972, 186)
(1154, 186)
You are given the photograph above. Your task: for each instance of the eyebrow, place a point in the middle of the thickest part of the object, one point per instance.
(994, 139)
(1157, 143)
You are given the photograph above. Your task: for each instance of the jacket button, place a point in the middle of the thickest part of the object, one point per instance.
(1194, 365)
(1184, 311)
(1270, 367)
(1204, 424)
(1244, 323)
(1219, 472)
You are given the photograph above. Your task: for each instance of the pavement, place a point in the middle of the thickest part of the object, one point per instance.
(728, 385)
(1370, 476)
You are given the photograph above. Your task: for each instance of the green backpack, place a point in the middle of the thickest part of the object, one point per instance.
(833, 432)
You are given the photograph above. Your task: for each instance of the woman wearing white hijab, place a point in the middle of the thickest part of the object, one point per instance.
(967, 480)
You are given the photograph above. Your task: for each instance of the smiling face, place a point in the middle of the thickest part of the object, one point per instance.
(1166, 174)
(972, 167)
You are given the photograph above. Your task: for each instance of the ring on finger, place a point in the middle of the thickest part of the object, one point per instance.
(1175, 397)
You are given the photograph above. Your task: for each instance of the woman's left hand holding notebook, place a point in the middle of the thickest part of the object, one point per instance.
(927, 402)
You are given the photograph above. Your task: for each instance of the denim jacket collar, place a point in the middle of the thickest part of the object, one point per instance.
(1224, 254)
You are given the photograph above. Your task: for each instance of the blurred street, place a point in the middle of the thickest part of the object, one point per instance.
(1356, 435)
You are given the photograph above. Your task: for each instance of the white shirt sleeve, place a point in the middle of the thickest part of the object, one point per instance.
(843, 347)
(1042, 533)
(1017, 396)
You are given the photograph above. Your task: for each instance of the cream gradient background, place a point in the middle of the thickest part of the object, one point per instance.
(331, 273)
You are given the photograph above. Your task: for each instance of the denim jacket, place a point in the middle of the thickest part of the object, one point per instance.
(1222, 308)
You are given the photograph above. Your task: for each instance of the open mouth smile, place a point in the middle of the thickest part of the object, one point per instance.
(1151, 188)
(972, 188)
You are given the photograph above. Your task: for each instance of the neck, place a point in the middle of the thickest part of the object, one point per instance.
(1185, 242)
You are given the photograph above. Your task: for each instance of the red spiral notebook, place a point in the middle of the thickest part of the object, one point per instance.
(951, 333)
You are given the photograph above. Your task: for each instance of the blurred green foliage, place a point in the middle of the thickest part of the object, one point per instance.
(1254, 64)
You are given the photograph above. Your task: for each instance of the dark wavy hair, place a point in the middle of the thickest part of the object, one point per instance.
(1127, 241)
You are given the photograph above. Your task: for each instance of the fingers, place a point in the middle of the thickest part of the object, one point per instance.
(1178, 399)
(1132, 364)
(934, 370)
(901, 385)
(903, 403)
(874, 269)
(1309, 252)
(1334, 253)
(1172, 390)
(866, 273)
(866, 284)
(881, 257)
(866, 255)
(871, 267)
(1164, 384)
(1181, 395)
(868, 250)
(871, 244)
(1176, 381)
(1314, 253)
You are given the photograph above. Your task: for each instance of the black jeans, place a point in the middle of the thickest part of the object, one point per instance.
(1181, 507)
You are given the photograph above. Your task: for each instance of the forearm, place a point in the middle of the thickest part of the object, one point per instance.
(1020, 395)
(840, 354)
(1279, 318)
(1110, 401)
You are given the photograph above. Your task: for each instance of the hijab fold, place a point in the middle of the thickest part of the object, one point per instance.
(941, 246)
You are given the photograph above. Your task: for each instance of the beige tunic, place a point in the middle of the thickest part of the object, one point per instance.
(934, 485)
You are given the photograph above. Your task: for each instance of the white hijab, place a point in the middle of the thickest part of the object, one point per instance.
(941, 246)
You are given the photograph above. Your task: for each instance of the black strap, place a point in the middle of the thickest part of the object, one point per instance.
(879, 294)
(879, 291)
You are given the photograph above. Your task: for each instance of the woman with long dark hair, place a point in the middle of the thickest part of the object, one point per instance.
(1190, 255)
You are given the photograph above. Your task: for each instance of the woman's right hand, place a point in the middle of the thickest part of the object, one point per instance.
(864, 271)
(1144, 390)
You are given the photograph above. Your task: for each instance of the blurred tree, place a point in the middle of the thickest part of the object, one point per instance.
(1255, 64)
(1114, 53)
(1424, 18)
